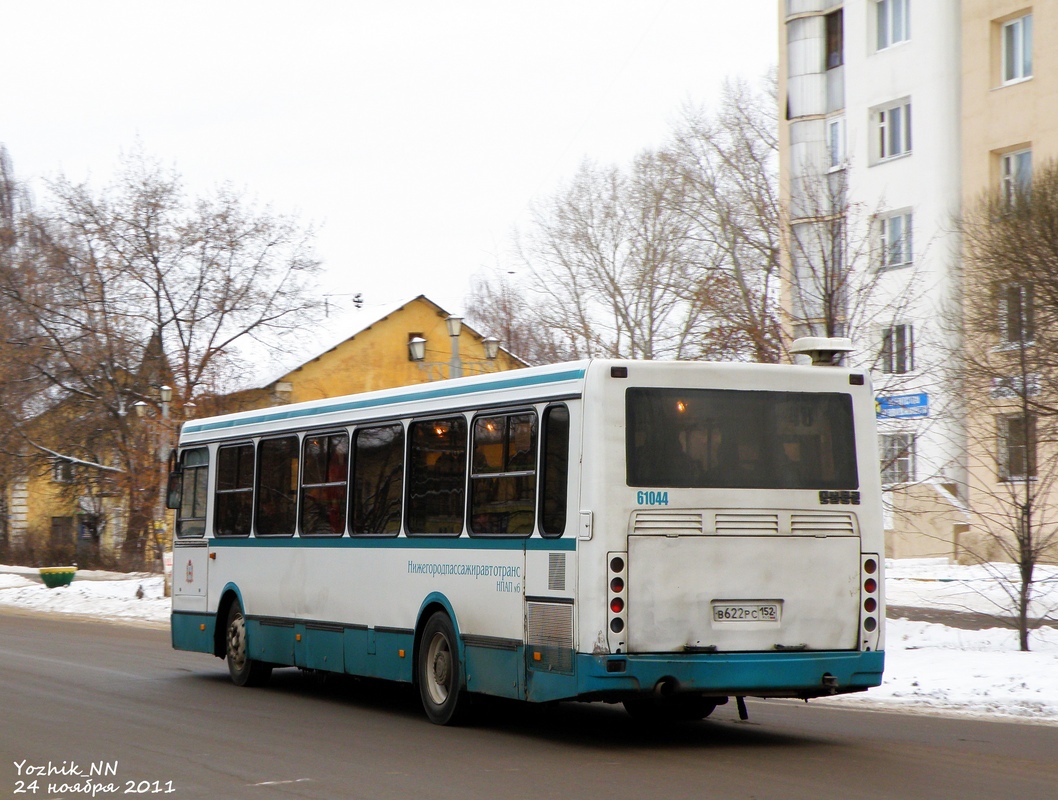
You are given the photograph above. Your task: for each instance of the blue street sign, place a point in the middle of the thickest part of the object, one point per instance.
(902, 406)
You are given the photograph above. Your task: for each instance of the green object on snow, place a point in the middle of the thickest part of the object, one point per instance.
(57, 576)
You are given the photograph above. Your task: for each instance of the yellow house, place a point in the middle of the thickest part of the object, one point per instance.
(377, 356)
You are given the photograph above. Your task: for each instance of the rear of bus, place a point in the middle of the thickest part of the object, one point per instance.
(731, 533)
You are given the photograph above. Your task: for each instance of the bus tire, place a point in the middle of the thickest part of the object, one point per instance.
(440, 672)
(244, 670)
(678, 708)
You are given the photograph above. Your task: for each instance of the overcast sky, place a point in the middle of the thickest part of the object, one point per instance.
(414, 134)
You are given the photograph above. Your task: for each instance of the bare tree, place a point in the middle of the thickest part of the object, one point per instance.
(1010, 372)
(727, 166)
(675, 256)
(608, 258)
(497, 306)
(124, 289)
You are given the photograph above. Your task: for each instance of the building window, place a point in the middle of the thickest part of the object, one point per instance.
(62, 530)
(894, 22)
(898, 350)
(835, 37)
(836, 142)
(1017, 49)
(1016, 314)
(895, 242)
(1016, 446)
(62, 471)
(898, 457)
(1015, 175)
(894, 130)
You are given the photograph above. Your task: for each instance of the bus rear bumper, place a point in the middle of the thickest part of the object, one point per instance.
(800, 674)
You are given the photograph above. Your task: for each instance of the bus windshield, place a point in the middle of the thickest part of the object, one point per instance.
(725, 439)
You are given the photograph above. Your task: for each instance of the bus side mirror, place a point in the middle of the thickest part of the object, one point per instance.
(173, 490)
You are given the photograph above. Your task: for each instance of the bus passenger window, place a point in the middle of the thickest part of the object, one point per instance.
(437, 469)
(503, 477)
(234, 501)
(323, 484)
(194, 474)
(277, 487)
(554, 472)
(378, 479)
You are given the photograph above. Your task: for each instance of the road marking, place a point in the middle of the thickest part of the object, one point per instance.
(281, 783)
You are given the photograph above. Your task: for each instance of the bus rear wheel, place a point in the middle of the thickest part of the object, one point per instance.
(440, 672)
(244, 670)
(677, 708)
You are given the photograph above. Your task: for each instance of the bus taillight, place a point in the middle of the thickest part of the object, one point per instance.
(617, 605)
(871, 605)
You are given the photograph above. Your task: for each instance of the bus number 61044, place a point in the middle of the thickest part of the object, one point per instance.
(652, 498)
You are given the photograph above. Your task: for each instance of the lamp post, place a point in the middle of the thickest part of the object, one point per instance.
(455, 365)
(161, 434)
(455, 326)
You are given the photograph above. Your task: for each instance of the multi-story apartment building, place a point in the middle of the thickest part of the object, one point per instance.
(899, 114)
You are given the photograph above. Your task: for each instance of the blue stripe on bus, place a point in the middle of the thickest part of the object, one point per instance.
(401, 543)
(406, 397)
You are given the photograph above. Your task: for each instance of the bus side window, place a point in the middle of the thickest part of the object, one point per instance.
(323, 484)
(378, 479)
(194, 474)
(234, 500)
(437, 474)
(275, 510)
(503, 475)
(554, 472)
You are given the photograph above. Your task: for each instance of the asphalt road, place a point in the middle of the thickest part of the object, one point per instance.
(78, 692)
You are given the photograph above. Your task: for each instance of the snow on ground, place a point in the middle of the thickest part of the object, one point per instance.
(107, 595)
(929, 667)
(934, 583)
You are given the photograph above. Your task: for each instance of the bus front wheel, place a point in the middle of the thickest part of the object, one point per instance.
(440, 672)
(244, 670)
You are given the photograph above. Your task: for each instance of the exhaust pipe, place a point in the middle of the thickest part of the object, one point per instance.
(666, 687)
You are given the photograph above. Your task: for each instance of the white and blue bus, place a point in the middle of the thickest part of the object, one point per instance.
(662, 534)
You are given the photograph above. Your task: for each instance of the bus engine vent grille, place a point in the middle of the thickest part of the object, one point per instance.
(822, 524)
(556, 572)
(747, 523)
(686, 521)
(550, 636)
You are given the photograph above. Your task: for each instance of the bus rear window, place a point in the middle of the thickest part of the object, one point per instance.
(726, 439)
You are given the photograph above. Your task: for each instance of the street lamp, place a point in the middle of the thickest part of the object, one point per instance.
(417, 348)
(165, 394)
(455, 326)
